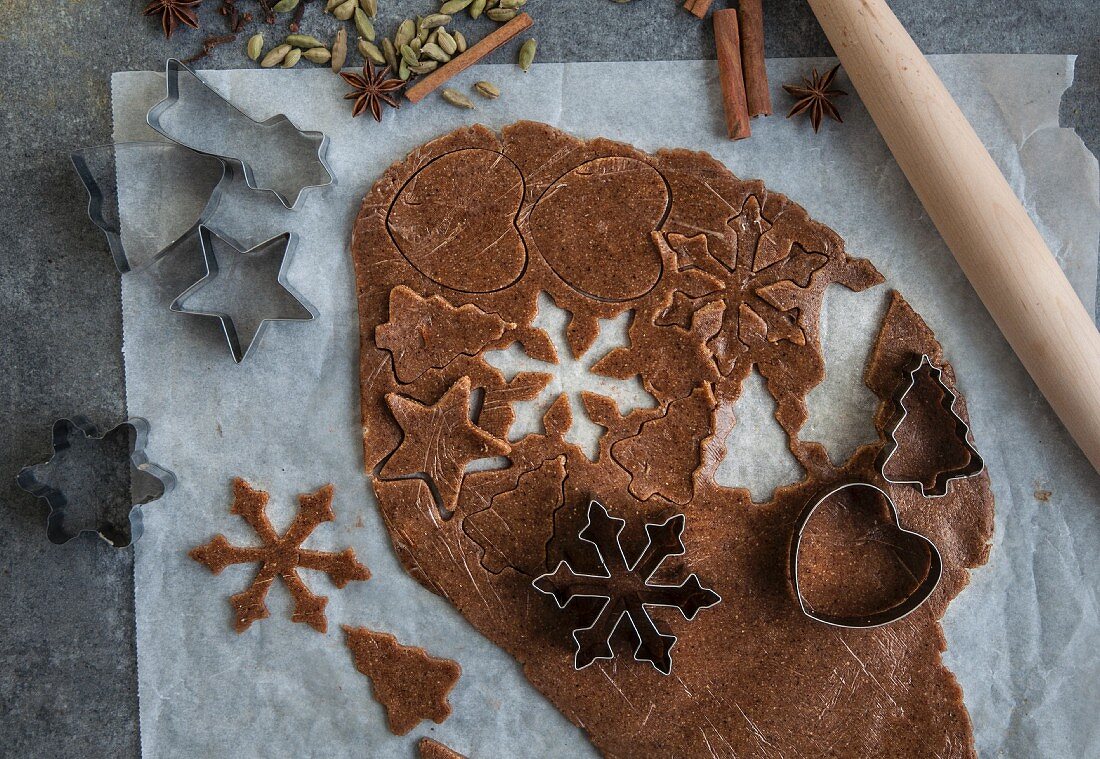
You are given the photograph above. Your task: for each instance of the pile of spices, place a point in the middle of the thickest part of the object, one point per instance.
(421, 48)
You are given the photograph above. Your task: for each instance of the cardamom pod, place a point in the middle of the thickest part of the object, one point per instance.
(456, 98)
(424, 67)
(487, 89)
(409, 56)
(435, 52)
(490, 4)
(527, 54)
(292, 58)
(370, 7)
(446, 42)
(339, 50)
(303, 41)
(284, 6)
(317, 55)
(452, 7)
(415, 47)
(476, 8)
(331, 4)
(433, 20)
(255, 46)
(346, 9)
(501, 14)
(371, 52)
(275, 56)
(403, 72)
(405, 32)
(364, 26)
(460, 41)
(389, 53)
(422, 35)
(512, 4)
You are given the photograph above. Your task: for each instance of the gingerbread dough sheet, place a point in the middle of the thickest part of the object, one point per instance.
(290, 421)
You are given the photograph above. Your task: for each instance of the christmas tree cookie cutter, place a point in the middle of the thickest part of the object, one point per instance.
(69, 480)
(594, 642)
(910, 604)
(975, 463)
(275, 155)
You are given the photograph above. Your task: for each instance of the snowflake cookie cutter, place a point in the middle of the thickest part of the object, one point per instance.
(53, 482)
(308, 148)
(664, 540)
(285, 245)
(975, 463)
(911, 603)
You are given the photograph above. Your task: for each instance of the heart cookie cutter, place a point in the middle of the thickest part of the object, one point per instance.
(876, 619)
(975, 463)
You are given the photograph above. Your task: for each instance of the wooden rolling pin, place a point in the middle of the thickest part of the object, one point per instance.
(985, 226)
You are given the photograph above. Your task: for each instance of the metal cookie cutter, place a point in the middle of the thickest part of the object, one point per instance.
(172, 187)
(232, 270)
(626, 589)
(199, 118)
(74, 480)
(884, 617)
(975, 464)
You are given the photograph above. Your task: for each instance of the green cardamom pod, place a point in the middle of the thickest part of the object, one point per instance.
(460, 42)
(456, 98)
(346, 9)
(317, 55)
(364, 26)
(389, 53)
(255, 46)
(292, 58)
(405, 33)
(370, 7)
(409, 56)
(371, 52)
(339, 50)
(452, 7)
(415, 47)
(487, 89)
(403, 72)
(284, 6)
(446, 42)
(331, 4)
(501, 14)
(275, 56)
(435, 52)
(303, 41)
(476, 8)
(512, 4)
(424, 67)
(435, 19)
(527, 54)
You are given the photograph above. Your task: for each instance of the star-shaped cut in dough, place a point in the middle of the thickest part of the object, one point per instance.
(440, 441)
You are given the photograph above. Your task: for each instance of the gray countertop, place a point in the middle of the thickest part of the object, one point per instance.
(67, 659)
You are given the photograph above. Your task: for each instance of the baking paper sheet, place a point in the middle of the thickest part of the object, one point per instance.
(1022, 639)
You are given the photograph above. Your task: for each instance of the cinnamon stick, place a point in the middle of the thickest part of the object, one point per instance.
(727, 40)
(697, 8)
(473, 54)
(751, 15)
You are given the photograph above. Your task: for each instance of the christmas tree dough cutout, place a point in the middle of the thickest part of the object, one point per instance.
(411, 684)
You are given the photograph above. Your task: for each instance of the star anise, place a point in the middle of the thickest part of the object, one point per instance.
(371, 89)
(173, 13)
(814, 96)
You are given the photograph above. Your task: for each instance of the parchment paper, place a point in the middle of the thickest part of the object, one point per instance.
(1022, 639)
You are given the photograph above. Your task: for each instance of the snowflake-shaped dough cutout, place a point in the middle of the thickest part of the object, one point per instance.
(627, 589)
(281, 556)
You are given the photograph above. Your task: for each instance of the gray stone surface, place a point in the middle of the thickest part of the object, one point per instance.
(67, 660)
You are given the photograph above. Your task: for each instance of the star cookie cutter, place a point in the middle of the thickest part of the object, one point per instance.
(877, 619)
(287, 242)
(233, 127)
(594, 642)
(53, 481)
(975, 464)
